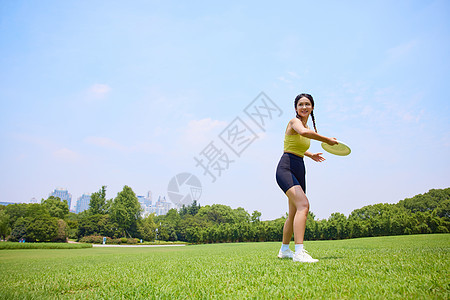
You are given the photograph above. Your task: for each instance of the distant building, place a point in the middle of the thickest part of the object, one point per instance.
(7, 203)
(63, 194)
(159, 207)
(83, 203)
(146, 203)
(34, 201)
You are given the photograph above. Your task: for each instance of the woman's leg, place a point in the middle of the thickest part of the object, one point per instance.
(298, 212)
(288, 228)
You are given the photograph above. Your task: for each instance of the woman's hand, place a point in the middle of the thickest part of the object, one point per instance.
(332, 141)
(317, 157)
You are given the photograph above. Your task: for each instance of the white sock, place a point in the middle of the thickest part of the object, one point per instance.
(284, 247)
(298, 247)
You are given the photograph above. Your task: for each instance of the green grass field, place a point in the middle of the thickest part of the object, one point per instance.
(413, 267)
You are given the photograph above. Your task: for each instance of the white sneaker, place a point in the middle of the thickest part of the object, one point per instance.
(303, 256)
(285, 254)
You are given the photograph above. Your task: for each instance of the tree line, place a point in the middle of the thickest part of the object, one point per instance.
(121, 218)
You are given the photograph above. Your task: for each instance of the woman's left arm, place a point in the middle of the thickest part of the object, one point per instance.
(315, 156)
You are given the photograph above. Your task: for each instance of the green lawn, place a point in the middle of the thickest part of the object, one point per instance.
(414, 267)
(11, 245)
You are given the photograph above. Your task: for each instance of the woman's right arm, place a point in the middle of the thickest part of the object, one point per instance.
(297, 125)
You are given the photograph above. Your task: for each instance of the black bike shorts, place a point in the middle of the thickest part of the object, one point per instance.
(291, 171)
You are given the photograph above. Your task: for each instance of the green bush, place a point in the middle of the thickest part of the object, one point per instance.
(442, 229)
(92, 239)
(97, 239)
(114, 241)
(132, 241)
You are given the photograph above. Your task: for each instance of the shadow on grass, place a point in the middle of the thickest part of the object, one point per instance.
(330, 257)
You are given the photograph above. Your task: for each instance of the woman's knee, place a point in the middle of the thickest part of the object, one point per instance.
(289, 220)
(298, 198)
(303, 205)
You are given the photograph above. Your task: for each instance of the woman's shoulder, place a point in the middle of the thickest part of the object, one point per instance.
(293, 121)
(289, 129)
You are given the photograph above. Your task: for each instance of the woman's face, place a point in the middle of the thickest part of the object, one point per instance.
(304, 107)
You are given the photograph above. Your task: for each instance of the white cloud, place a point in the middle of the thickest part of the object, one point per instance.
(398, 105)
(291, 80)
(401, 50)
(281, 78)
(410, 117)
(199, 132)
(99, 91)
(66, 154)
(105, 143)
(385, 106)
(293, 74)
(147, 147)
(48, 146)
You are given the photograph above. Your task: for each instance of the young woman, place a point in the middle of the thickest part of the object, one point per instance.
(290, 175)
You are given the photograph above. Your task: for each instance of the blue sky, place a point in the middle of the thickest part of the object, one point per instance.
(127, 93)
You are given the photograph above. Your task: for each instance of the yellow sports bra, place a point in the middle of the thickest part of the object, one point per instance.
(296, 144)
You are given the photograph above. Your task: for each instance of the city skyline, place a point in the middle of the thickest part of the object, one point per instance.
(159, 207)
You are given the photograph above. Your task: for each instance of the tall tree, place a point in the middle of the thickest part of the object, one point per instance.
(5, 229)
(193, 208)
(55, 207)
(216, 213)
(443, 209)
(427, 201)
(125, 210)
(98, 203)
(256, 215)
(17, 211)
(240, 215)
(147, 228)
